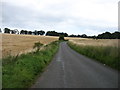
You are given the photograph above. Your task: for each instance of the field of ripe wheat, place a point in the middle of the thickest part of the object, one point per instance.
(98, 42)
(13, 44)
(105, 51)
(16, 44)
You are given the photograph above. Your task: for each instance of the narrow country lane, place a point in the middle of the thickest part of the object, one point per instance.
(69, 69)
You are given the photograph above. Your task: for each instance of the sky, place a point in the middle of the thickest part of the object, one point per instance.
(91, 17)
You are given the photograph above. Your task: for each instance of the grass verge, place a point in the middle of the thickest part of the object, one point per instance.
(106, 55)
(21, 71)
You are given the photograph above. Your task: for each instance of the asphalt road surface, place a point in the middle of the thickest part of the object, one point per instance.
(69, 69)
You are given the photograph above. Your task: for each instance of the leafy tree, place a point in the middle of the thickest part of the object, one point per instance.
(15, 31)
(26, 32)
(41, 32)
(53, 33)
(30, 32)
(84, 36)
(6, 30)
(64, 34)
(35, 32)
(0, 30)
(78, 35)
(116, 35)
(12, 32)
(22, 32)
(106, 35)
(37, 45)
(74, 35)
(61, 37)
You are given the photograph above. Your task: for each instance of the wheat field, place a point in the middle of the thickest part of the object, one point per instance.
(13, 44)
(96, 42)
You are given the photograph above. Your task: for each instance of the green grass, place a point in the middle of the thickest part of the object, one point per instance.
(21, 71)
(106, 55)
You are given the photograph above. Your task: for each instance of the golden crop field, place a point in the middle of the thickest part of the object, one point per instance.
(98, 42)
(13, 44)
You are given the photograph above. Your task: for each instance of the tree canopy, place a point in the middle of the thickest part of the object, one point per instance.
(106, 35)
(53, 33)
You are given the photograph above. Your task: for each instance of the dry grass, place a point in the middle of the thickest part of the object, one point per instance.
(16, 44)
(93, 42)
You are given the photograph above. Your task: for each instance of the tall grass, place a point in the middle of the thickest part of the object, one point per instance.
(105, 54)
(21, 71)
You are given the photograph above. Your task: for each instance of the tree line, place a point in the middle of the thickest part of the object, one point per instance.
(53, 33)
(35, 32)
(25, 32)
(41, 32)
(106, 35)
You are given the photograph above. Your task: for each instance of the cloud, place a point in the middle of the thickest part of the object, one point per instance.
(71, 16)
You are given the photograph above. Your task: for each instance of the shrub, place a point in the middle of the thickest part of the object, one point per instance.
(61, 37)
(37, 45)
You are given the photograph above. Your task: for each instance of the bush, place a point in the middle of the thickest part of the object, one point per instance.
(37, 45)
(61, 37)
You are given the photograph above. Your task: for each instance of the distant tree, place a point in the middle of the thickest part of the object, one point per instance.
(72, 35)
(41, 32)
(84, 36)
(64, 34)
(116, 35)
(22, 32)
(99, 36)
(53, 33)
(94, 37)
(61, 37)
(0, 30)
(78, 35)
(26, 32)
(15, 31)
(30, 32)
(106, 35)
(12, 32)
(35, 32)
(6, 30)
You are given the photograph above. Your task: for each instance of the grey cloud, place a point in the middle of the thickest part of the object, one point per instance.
(50, 18)
(20, 16)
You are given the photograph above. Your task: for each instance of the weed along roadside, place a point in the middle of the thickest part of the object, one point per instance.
(21, 71)
(107, 55)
